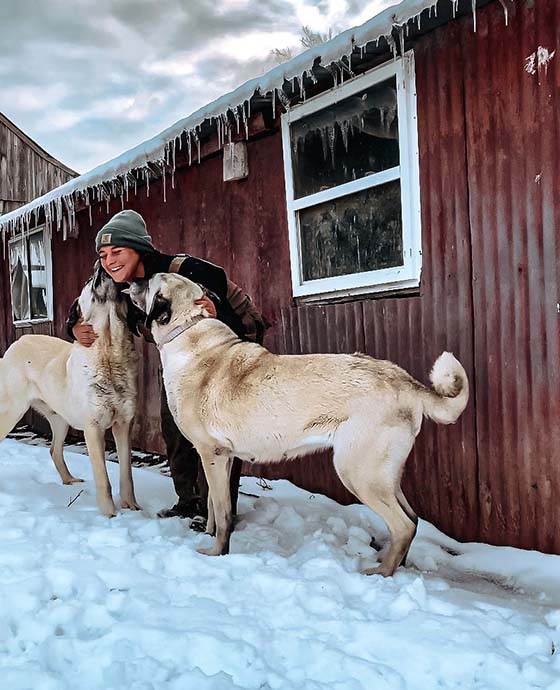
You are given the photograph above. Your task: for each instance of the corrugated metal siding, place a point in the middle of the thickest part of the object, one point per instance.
(513, 155)
(442, 477)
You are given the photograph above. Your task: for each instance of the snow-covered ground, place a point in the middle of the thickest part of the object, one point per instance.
(128, 604)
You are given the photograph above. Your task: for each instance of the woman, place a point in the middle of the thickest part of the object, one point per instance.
(126, 252)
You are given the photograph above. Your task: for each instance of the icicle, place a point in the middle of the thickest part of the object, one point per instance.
(324, 142)
(473, 5)
(331, 131)
(246, 124)
(58, 214)
(164, 183)
(284, 99)
(189, 146)
(147, 174)
(455, 7)
(345, 128)
(65, 231)
(198, 148)
(249, 108)
(392, 46)
(506, 11)
(173, 164)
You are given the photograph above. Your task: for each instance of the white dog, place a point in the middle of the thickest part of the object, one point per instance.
(90, 389)
(236, 399)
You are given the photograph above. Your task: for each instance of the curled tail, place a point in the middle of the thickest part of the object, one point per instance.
(450, 394)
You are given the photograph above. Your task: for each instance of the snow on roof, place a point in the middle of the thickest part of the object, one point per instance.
(113, 178)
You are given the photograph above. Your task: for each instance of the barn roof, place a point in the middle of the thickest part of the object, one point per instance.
(339, 56)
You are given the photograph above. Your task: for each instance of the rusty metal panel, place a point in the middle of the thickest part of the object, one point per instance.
(441, 478)
(513, 148)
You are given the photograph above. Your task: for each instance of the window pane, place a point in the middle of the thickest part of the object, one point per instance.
(346, 141)
(38, 265)
(19, 279)
(353, 234)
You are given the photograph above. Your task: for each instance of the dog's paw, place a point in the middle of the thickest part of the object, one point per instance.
(383, 570)
(72, 480)
(130, 505)
(210, 551)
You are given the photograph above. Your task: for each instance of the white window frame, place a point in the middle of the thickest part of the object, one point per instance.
(407, 275)
(48, 271)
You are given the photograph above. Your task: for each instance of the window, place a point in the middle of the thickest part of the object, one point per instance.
(30, 277)
(352, 185)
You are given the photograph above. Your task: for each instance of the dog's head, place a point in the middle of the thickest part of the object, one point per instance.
(99, 290)
(167, 299)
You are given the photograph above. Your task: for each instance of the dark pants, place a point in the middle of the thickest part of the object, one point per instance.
(185, 464)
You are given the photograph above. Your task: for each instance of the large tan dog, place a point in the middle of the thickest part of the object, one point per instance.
(236, 399)
(90, 389)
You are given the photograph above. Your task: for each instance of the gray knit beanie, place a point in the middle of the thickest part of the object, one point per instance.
(125, 229)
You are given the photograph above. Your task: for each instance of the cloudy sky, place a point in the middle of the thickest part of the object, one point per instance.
(89, 79)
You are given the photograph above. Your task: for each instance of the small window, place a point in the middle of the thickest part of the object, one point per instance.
(352, 185)
(30, 277)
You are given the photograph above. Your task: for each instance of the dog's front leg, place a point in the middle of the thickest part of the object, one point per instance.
(217, 470)
(211, 522)
(121, 434)
(95, 441)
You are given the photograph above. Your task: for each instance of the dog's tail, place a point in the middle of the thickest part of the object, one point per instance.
(450, 395)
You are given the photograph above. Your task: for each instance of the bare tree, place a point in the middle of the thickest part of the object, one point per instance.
(308, 39)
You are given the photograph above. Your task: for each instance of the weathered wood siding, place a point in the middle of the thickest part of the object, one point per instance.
(26, 170)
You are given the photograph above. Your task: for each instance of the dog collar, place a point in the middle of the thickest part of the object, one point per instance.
(178, 330)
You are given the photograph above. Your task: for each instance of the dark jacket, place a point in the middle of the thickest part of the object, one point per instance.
(206, 274)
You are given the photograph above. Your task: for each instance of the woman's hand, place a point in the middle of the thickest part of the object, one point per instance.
(84, 334)
(207, 303)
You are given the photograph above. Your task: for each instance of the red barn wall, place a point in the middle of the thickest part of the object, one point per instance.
(489, 145)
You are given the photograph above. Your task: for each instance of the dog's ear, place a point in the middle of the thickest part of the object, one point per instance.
(75, 313)
(97, 274)
(138, 292)
(160, 311)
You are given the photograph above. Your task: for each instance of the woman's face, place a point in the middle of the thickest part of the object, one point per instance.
(121, 263)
